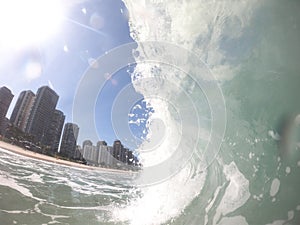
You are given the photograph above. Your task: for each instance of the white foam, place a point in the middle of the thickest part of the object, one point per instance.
(5, 180)
(211, 203)
(274, 187)
(251, 154)
(258, 198)
(291, 214)
(277, 222)
(288, 170)
(184, 23)
(163, 201)
(200, 27)
(16, 211)
(35, 178)
(162, 137)
(274, 135)
(240, 220)
(196, 25)
(237, 192)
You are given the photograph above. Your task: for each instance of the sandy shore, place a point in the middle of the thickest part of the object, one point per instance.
(27, 153)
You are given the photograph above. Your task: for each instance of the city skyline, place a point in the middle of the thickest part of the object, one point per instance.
(26, 102)
(61, 61)
(20, 115)
(40, 126)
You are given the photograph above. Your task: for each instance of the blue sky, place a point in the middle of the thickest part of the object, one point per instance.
(88, 30)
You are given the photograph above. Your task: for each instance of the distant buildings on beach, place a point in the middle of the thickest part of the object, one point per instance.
(106, 156)
(5, 99)
(37, 125)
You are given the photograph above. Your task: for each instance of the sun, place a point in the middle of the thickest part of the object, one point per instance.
(26, 22)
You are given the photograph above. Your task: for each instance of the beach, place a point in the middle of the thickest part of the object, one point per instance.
(20, 151)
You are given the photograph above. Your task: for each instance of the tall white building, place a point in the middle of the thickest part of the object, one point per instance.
(90, 154)
(100, 155)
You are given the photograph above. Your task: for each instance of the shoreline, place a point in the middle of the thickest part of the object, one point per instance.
(27, 153)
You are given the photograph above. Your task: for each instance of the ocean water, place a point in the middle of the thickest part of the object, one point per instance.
(222, 147)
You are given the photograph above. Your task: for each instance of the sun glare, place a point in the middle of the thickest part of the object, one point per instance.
(26, 22)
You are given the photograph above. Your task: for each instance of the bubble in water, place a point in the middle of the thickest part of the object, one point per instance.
(274, 187)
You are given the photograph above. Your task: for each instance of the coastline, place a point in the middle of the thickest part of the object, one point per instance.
(23, 152)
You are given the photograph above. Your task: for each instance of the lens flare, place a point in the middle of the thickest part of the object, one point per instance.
(24, 23)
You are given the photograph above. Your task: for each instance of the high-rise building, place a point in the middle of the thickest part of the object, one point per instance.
(104, 156)
(110, 158)
(124, 155)
(107, 156)
(130, 158)
(101, 147)
(118, 147)
(53, 134)
(5, 99)
(87, 142)
(41, 113)
(88, 153)
(91, 154)
(69, 140)
(78, 153)
(86, 150)
(21, 112)
(95, 155)
(101, 143)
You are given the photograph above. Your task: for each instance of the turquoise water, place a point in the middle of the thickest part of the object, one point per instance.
(251, 49)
